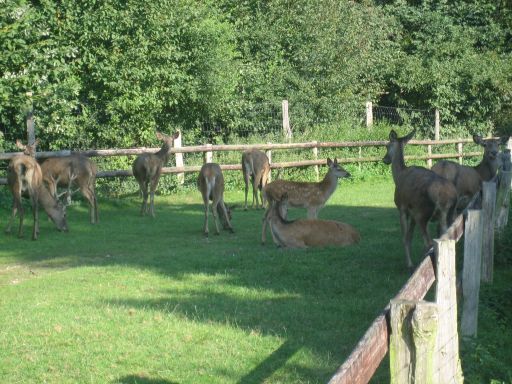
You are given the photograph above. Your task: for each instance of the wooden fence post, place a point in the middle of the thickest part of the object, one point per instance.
(488, 205)
(437, 124)
(31, 133)
(208, 155)
(179, 159)
(429, 153)
(449, 369)
(268, 152)
(369, 114)
(460, 151)
(315, 157)
(503, 200)
(473, 231)
(412, 350)
(286, 121)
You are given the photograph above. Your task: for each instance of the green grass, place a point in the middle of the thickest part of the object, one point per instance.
(141, 300)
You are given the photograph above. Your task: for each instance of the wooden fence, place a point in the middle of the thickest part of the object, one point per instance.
(421, 336)
(208, 150)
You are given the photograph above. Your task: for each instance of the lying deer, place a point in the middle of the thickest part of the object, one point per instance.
(255, 165)
(147, 169)
(303, 233)
(468, 180)
(75, 170)
(24, 176)
(420, 195)
(309, 195)
(210, 183)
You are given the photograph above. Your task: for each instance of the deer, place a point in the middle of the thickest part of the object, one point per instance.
(468, 180)
(147, 169)
(24, 176)
(255, 165)
(421, 195)
(210, 183)
(75, 170)
(304, 233)
(309, 195)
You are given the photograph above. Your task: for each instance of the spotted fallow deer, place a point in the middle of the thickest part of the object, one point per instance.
(309, 195)
(468, 180)
(72, 171)
(210, 183)
(303, 233)
(147, 169)
(256, 167)
(420, 195)
(24, 176)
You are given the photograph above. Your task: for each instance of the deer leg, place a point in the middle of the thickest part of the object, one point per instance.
(214, 214)
(225, 213)
(264, 224)
(313, 212)
(427, 240)
(154, 184)
(22, 213)
(13, 215)
(405, 224)
(246, 180)
(255, 184)
(91, 198)
(35, 209)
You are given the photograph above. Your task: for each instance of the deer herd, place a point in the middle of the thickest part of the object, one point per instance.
(421, 195)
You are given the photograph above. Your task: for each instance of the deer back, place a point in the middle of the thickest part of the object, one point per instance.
(466, 179)
(210, 182)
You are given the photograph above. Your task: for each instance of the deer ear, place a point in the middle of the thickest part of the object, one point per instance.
(478, 139)
(329, 161)
(176, 135)
(20, 145)
(504, 139)
(392, 135)
(410, 135)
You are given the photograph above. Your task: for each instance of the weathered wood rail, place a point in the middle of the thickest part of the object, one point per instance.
(209, 149)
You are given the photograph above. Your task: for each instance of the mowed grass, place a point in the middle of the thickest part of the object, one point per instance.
(141, 300)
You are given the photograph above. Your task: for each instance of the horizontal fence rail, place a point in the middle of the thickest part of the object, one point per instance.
(242, 147)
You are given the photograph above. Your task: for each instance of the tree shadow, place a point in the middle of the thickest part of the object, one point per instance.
(141, 379)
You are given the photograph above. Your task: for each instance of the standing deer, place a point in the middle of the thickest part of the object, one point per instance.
(303, 233)
(24, 176)
(147, 169)
(468, 180)
(309, 195)
(420, 195)
(210, 183)
(255, 165)
(75, 170)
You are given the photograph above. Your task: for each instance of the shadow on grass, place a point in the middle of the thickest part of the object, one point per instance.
(140, 379)
(349, 283)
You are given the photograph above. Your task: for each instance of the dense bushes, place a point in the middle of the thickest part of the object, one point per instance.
(106, 74)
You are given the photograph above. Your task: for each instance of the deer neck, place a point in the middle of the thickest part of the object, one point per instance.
(487, 169)
(398, 164)
(329, 183)
(47, 201)
(164, 153)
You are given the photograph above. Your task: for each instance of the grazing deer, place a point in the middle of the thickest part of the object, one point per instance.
(75, 170)
(147, 169)
(303, 233)
(420, 195)
(255, 165)
(24, 176)
(210, 183)
(468, 180)
(309, 195)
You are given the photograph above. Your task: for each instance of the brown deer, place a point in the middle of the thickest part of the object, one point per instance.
(210, 183)
(303, 233)
(255, 165)
(147, 169)
(420, 195)
(309, 195)
(24, 176)
(468, 180)
(75, 170)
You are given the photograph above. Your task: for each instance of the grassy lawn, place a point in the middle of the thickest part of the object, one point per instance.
(141, 300)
